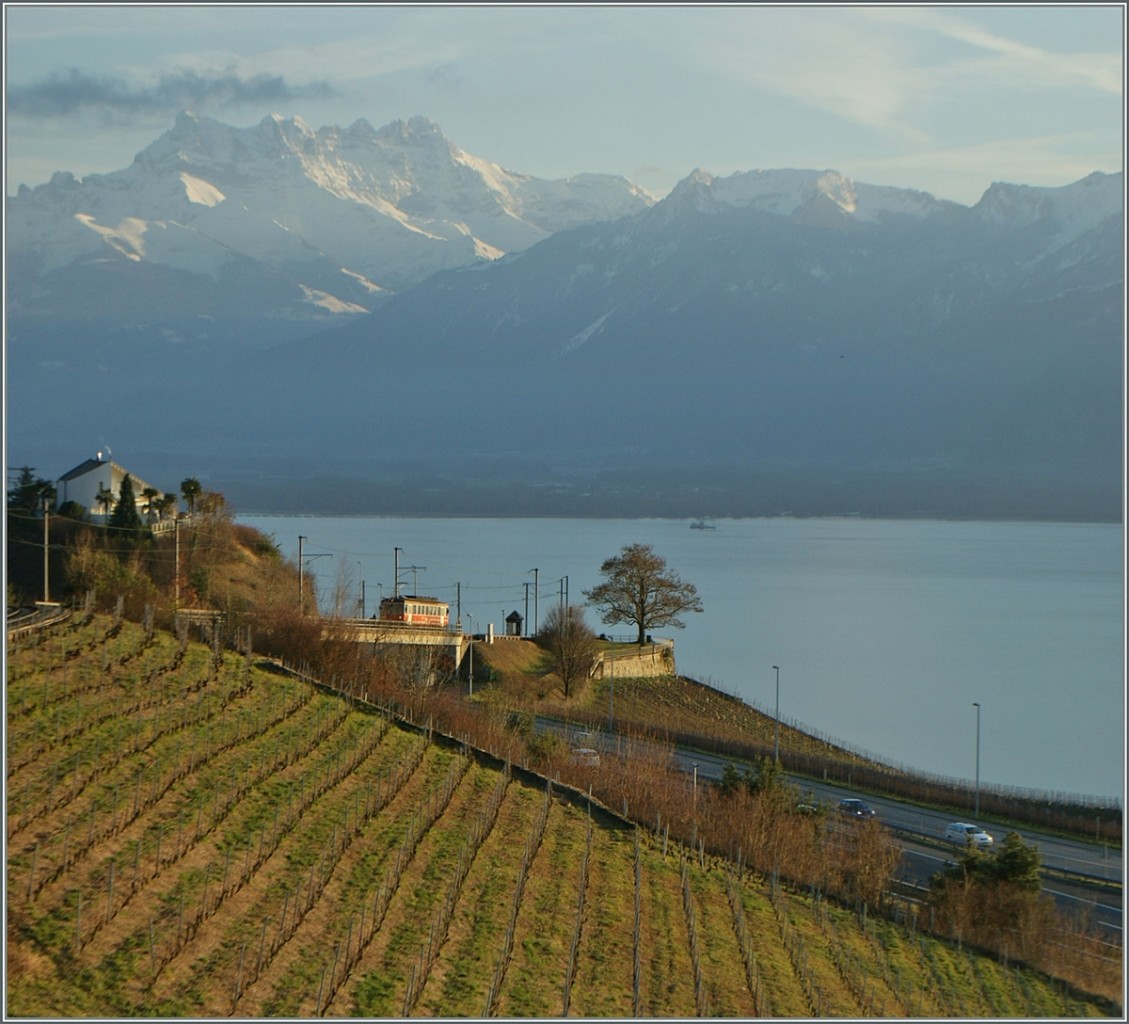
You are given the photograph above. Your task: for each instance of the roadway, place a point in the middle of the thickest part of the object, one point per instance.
(1081, 876)
(22, 621)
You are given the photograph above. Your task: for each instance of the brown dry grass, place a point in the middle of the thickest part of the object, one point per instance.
(666, 706)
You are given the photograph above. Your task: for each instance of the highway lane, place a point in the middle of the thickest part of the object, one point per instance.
(1074, 856)
(1070, 855)
(1081, 876)
(1100, 904)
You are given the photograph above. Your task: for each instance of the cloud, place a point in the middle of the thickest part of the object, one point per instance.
(75, 92)
(1008, 61)
(828, 62)
(447, 77)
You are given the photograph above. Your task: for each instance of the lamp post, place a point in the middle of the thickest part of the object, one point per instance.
(360, 573)
(776, 725)
(611, 689)
(976, 810)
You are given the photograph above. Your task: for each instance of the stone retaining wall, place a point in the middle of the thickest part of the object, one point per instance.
(653, 659)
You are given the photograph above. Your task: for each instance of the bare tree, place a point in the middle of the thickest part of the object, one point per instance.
(570, 643)
(638, 588)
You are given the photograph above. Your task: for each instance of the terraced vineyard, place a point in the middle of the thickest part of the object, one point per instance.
(193, 833)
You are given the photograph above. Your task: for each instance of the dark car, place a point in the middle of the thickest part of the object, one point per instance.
(853, 808)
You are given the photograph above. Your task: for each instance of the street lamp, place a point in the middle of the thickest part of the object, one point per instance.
(776, 726)
(611, 689)
(977, 807)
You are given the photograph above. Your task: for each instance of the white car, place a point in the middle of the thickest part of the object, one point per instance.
(960, 833)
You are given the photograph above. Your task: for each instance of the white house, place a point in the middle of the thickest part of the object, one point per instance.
(97, 476)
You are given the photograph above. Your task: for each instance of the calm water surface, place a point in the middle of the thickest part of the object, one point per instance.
(885, 632)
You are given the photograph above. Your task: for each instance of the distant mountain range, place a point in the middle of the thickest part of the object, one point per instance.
(373, 320)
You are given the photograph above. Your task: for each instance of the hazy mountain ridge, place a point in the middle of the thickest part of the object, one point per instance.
(787, 339)
(949, 346)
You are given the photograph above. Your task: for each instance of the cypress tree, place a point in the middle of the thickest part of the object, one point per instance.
(125, 515)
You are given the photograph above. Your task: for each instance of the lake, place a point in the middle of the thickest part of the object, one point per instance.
(885, 632)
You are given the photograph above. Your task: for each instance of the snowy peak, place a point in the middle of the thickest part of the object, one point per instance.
(353, 213)
(416, 131)
(812, 196)
(1068, 211)
(802, 194)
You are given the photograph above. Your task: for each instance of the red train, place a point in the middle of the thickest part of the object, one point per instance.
(415, 611)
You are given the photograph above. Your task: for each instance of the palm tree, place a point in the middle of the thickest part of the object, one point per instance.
(104, 498)
(191, 490)
(152, 505)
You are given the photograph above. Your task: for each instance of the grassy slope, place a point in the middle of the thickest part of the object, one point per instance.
(663, 704)
(192, 837)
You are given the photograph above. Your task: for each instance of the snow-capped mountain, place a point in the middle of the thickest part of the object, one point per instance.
(796, 193)
(778, 340)
(332, 220)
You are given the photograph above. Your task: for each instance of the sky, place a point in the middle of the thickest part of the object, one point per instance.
(945, 99)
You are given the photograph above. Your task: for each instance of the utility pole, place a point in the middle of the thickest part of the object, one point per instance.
(302, 573)
(46, 539)
(396, 572)
(301, 580)
(470, 652)
(534, 571)
(176, 558)
(413, 569)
